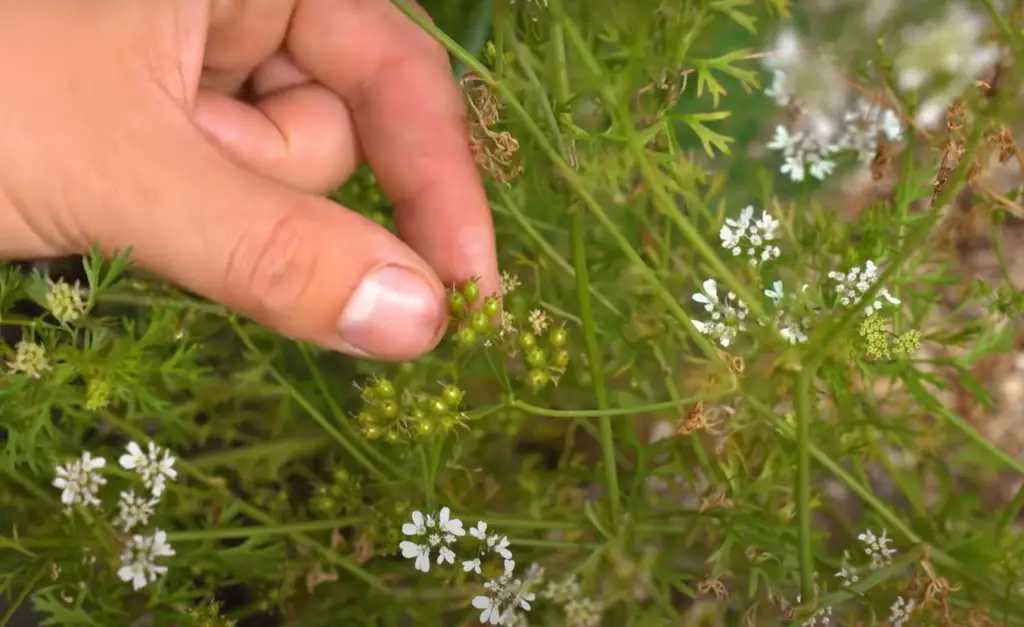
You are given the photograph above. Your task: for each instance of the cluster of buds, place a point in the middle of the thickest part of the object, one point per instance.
(396, 415)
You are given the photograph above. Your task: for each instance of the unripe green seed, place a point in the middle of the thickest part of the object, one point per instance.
(491, 306)
(537, 379)
(465, 337)
(371, 431)
(340, 475)
(389, 409)
(557, 337)
(479, 322)
(452, 395)
(471, 290)
(438, 407)
(456, 304)
(560, 359)
(526, 340)
(536, 357)
(384, 388)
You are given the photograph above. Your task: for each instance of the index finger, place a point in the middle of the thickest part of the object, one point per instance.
(411, 123)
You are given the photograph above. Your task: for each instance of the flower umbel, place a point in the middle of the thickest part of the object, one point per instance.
(505, 596)
(138, 560)
(79, 480)
(746, 236)
(899, 612)
(66, 302)
(854, 283)
(30, 359)
(440, 533)
(877, 548)
(133, 511)
(728, 317)
(156, 466)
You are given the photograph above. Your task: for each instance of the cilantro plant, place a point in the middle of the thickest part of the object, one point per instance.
(744, 369)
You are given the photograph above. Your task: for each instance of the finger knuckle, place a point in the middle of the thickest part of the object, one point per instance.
(270, 269)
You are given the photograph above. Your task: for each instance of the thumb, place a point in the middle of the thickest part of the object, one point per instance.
(297, 263)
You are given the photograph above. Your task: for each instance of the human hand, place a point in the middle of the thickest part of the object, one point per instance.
(121, 124)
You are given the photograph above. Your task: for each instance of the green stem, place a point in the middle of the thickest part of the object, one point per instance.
(281, 380)
(804, 395)
(547, 248)
(1010, 514)
(264, 530)
(596, 413)
(579, 259)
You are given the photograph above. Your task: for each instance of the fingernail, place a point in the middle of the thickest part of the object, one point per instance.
(393, 314)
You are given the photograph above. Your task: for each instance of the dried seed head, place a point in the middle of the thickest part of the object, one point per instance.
(494, 150)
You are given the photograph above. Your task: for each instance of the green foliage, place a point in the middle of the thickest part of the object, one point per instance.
(677, 412)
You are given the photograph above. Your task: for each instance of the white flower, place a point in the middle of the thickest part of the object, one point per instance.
(728, 317)
(751, 237)
(853, 284)
(791, 327)
(505, 596)
(863, 124)
(138, 560)
(877, 548)
(133, 511)
(900, 610)
(471, 565)
(417, 527)
(444, 554)
(480, 531)
(804, 152)
(440, 532)
(419, 552)
(449, 525)
(79, 480)
(155, 466)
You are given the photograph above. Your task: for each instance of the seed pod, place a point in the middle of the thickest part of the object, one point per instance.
(471, 290)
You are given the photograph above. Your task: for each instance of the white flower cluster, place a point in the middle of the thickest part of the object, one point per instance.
(745, 235)
(80, 480)
(863, 124)
(728, 316)
(792, 328)
(900, 611)
(852, 285)
(755, 239)
(822, 124)
(947, 54)
(505, 595)
(877, 548)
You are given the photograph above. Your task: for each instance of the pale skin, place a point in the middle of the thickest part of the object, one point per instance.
(122, 124)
